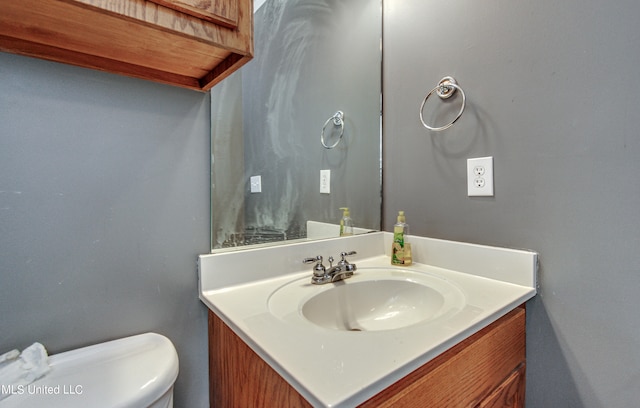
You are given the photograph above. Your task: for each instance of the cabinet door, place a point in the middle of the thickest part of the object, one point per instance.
(483, 371)
(508, 394)
(221, 12)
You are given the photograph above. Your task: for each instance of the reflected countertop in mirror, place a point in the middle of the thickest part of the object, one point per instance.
(312, 59)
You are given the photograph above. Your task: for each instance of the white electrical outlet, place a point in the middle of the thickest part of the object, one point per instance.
(325, 181)
(480, 176)
(256, 184)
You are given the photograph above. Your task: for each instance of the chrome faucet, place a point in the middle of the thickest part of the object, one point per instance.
(322, 275)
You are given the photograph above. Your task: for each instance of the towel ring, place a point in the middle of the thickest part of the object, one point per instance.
(445, 89)
(338, 120)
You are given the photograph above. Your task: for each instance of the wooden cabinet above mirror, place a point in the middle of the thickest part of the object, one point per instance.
(135, 38)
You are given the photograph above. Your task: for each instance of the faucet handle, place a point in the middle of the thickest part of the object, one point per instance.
(312, 260)
(318, 269)
(344, 263)
(343, 260)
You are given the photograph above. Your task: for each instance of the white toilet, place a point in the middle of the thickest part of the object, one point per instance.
(133, 372)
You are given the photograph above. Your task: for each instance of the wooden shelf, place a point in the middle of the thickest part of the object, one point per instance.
(136, 38)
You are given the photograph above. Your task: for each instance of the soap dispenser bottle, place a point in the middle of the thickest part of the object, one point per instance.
(400, 248)
(346, 223)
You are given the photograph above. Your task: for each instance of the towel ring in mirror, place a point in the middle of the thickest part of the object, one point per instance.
(338, 120)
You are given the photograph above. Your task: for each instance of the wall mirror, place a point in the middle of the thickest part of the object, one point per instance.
(312, 59)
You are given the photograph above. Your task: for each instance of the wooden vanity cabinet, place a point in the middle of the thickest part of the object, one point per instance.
(184, 44)
(485, 370)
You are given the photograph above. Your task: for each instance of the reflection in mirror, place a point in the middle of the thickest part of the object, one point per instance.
(312, 59)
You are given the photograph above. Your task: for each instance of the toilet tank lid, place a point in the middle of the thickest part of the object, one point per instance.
(129, 372)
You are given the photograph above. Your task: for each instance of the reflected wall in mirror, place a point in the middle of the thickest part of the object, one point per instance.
(312, 59)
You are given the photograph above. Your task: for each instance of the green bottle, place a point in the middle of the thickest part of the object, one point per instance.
(398, 247)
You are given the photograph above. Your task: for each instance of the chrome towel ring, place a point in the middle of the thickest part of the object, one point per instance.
(338, 120)
(445, 89)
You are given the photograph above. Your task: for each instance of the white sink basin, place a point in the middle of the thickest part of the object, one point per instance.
(373, 299)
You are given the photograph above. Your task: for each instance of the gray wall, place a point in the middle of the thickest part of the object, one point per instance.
(104, 207)
(104, 187)
(553, 94)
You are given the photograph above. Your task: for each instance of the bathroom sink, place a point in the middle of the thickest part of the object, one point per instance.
(373, 299)
(341, 343)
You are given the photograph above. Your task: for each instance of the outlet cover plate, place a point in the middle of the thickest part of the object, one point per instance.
(480, 177)
(325, 181)
(256, 184)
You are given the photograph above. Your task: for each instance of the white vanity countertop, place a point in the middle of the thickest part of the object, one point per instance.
(335, 368)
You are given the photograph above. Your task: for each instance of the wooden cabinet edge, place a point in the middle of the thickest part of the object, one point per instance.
(31, 49)
(230, 19)
(239, 376)
(230, 65)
